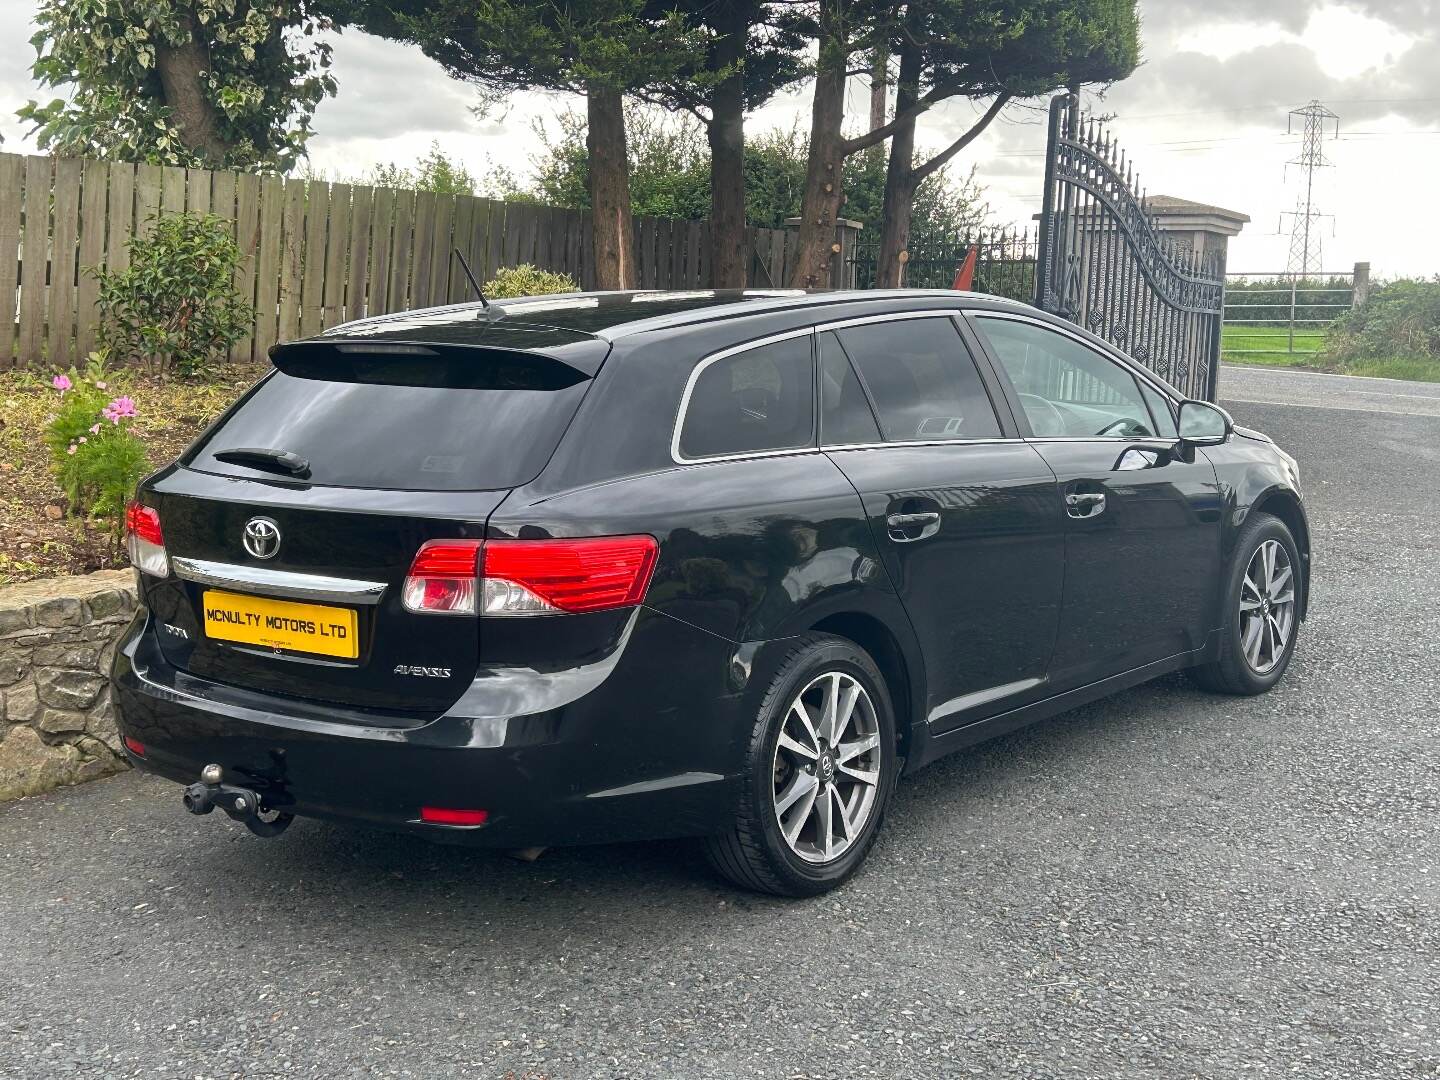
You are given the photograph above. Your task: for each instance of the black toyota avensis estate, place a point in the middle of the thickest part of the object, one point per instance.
(726, 565)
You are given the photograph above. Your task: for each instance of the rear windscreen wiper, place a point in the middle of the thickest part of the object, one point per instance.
(270, 460)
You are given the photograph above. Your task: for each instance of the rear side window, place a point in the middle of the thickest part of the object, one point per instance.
(481, 420)
(923, 379)
(845, 414)
(752, 401)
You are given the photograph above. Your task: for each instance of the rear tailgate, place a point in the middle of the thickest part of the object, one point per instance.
(340, 465)
(224, 615)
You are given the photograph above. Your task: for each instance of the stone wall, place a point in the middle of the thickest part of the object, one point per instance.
(56, 639)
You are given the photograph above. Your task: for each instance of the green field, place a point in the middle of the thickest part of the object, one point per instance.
(1270, 346)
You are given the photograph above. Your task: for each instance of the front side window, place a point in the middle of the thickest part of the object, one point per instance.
(923, 380)
(1067, 389)
(1160, 411)
(757, 400)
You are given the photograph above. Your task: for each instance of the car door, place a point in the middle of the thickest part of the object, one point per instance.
(1142, 516)
(967, 514)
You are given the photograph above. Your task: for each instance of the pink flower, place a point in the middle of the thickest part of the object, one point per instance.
(95, 429)
(82, 439)
(61, 383)
(120, 407)
(72, 449)
(100, 384)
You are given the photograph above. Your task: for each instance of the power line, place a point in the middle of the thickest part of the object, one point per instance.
(1271, 106)
(1189, 146)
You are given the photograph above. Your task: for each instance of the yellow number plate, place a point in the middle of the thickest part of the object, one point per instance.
(280, 624)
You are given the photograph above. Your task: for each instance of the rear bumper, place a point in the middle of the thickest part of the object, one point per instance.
(621, 752)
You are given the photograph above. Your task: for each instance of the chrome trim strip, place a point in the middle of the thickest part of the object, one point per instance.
(892, 316)
(262, 579)
(981, 697)
(1142, 441)
(733, 350)
(900, 444)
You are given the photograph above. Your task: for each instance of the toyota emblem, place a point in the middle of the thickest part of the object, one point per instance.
(261, 537)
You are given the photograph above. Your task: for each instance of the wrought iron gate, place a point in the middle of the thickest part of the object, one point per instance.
(1105, 265)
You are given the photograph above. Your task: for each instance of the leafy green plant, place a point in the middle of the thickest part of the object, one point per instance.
(1400, 320)
(435, 171)
(527, 280)
(96, 456)
(175, 306)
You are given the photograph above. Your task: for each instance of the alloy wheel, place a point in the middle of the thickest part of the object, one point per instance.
(1267, 607)
(827, 767)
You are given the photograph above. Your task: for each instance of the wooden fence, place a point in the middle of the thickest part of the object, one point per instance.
(316, 254)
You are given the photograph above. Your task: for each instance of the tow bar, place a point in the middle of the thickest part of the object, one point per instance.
(242, 804)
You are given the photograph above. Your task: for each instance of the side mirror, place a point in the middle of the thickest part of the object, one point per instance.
(1204, 424)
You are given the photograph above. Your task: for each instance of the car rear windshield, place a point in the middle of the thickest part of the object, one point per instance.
(463, 421)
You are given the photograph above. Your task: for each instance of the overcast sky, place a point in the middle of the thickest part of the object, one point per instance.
(1204, 118)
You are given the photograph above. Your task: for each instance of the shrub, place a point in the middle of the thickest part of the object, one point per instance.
(1400, 320)
(175, 307)
(527, 280)
(97, 458)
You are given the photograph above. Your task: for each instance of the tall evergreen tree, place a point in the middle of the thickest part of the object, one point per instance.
(994, 49)
(602, 49)
(752, 49)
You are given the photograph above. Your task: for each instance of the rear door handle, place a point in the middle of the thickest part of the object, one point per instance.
(907, 528)
(1085, 504)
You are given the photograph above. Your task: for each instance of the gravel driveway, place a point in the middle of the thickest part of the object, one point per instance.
(1162, 884)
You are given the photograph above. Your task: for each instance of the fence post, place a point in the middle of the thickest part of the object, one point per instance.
(1291, 349)
(1360, 284)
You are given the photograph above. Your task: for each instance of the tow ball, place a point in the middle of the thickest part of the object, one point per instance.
(242, 804)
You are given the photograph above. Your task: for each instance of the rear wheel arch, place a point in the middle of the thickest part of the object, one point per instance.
(903, 678)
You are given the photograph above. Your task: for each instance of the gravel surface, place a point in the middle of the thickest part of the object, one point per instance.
(1163, 884)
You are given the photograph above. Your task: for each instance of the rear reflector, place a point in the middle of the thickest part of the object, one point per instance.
(135, 746)
(144, 540)
(442, 580)
(437, 815)
(530, 577)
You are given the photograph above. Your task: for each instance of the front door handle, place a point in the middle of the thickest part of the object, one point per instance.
(907, 528)
(1085, 504)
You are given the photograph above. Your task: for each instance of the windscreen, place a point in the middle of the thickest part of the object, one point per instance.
(464, 421)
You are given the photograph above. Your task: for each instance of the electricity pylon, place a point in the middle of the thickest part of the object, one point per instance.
(1305, 245)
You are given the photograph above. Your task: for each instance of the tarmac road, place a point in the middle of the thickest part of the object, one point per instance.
(1163, 884)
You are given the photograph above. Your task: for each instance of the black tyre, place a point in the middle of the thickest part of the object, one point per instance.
(1262, 610)
(819, 772)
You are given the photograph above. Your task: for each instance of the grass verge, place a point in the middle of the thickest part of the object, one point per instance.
(1415, 370)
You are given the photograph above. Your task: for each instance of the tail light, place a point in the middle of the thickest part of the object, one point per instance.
(144, 540)
(442, 579)
(531, 577)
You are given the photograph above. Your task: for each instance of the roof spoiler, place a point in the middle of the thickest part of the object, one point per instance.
(425, 363)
